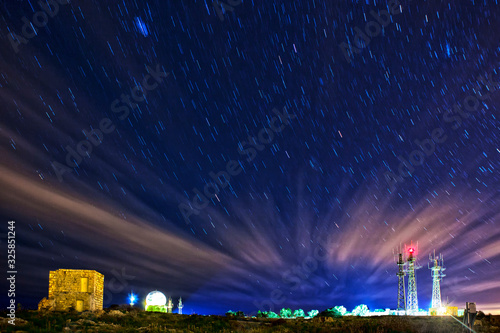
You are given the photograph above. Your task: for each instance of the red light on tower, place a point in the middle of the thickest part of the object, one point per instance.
(411, 250)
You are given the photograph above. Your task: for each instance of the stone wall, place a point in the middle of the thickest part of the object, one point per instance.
(65, 290)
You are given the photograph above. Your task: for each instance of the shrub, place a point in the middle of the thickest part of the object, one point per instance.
(312, 313)
(286, 313)
(235, 314)
(157, 308)
(298, 313)
(360, 310)
(271, 314)
(336, 312)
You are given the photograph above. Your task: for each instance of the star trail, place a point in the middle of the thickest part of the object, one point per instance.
(250, 155)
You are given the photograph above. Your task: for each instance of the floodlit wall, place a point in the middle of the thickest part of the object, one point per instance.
(452, 310)
(74, 288)
(444, 311)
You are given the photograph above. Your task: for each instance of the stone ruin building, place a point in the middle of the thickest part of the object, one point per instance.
(79, 289)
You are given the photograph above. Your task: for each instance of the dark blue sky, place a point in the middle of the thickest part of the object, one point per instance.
(397, 141)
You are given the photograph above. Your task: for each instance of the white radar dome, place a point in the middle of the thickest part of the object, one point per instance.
(156, 298)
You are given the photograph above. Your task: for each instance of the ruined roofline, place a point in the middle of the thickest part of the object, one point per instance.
(77, 270)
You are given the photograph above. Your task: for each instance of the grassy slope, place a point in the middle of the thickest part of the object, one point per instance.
(140, 321)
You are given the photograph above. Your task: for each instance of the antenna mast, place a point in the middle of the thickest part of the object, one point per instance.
(401, 283)
(412, 300)
(436, 265)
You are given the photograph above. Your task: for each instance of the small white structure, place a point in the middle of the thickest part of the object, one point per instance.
(170, 305)
(180, 306)
(387, 312)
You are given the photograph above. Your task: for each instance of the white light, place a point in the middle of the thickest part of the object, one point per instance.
(132, 298)
(155, 298)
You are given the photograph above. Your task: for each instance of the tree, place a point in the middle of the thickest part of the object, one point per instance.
(360, 310)
(312, 313)
(156, 308)
(235, 314)
(340, 310)
(267, 314)
(336, 312)
(298, 313)
(285, 313)
(271, 314)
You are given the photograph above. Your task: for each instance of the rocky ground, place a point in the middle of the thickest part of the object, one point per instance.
(134, 320)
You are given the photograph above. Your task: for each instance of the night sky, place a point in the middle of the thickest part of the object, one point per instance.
(337, 156)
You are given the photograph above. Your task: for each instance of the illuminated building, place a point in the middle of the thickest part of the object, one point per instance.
(79, 289)
(444, 311)
(155, 301)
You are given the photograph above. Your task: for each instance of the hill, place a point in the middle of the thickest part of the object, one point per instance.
(134, 320)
